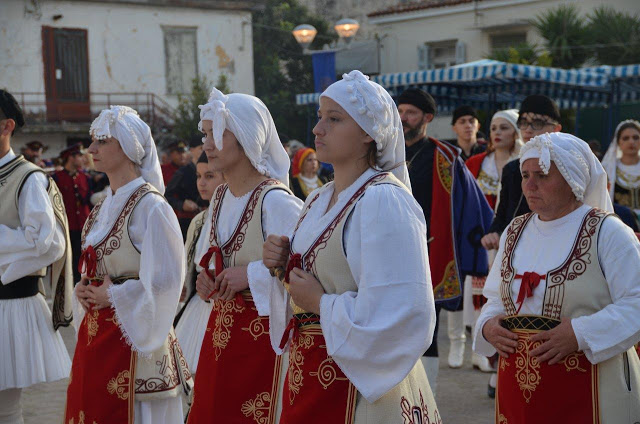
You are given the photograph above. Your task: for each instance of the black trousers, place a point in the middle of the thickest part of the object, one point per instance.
(76, 251)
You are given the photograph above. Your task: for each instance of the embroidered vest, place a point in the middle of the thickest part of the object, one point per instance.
(193, 235)
(577, 288)
(245, 244)
(165, 373)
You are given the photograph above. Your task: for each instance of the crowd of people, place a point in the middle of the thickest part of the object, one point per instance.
(272, 282)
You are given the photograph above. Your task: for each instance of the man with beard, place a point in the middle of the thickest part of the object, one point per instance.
(455, 210)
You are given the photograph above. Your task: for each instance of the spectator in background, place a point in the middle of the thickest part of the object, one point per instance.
(182, 192)
(465, 124)
(32, 152)
(177, 152)
(596, 148)
(75, 186)
(293, 146)
(304, 171)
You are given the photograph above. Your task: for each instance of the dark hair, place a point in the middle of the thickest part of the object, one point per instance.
(203, 158)
(632, 124)
(10, 109)
(372, 155)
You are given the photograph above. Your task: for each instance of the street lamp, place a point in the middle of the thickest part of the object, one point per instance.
(347, 28)
(304, 35)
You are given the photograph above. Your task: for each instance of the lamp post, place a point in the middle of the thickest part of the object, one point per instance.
(347, 29)
(305, 34)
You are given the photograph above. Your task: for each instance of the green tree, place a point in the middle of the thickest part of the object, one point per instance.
(187, 113)
(615, 36)
(524, 53)
(280, 69)
(566, 35)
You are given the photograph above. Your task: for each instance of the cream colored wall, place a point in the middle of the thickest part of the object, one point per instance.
(125, 43)
(407, 31)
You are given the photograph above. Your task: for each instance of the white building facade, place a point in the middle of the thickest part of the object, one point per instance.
(66, 60)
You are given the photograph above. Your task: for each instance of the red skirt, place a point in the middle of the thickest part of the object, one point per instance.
(238, 371)
(533, 392)
(101, 384)
(315, 391)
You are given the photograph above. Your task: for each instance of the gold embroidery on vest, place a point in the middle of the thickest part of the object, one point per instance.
(120, 385)
(258, 408)
(444, 172)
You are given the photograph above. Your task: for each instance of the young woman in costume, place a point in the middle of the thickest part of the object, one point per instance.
(357, 270)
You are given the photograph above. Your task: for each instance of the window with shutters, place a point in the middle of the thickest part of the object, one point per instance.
(439, 54)
(181, 64)
(500, 42)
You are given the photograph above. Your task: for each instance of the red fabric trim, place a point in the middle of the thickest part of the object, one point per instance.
(474, 163)
(88, 262)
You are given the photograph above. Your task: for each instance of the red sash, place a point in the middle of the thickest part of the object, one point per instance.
(532, 392)
(238, 371)
(101, 386)
(316, 391)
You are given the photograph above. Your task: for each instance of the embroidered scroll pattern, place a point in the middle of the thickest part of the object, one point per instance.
(507, 273)
(81, 419)
(257, 327)
(527, 367)
(444, 171)
(327, 372)
(572, 362)
(418, 414)
(221, 333)
(120, 385)
(258, 408)
(296, 361)
(92, 325)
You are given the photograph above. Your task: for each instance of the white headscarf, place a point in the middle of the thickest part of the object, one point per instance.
(250, 121)
(511, 115)
(374, 110)
(577, 164)
(134, 136)
(610, 159)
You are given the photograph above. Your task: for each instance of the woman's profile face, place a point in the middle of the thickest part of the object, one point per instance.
(339, 138)
(108, 156)
(230, 154)
(310, 164)
(503, 134)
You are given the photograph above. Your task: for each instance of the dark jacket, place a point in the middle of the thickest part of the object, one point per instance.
(512, 202)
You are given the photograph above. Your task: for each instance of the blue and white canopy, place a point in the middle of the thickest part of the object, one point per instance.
(486, 82)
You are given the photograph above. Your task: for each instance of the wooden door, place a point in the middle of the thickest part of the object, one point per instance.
(66, 74)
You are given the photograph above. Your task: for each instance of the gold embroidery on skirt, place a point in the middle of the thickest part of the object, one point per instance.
(80, 419)
(92, 325)
(120, 385)
(327, 372)
(502, 419)
(224, 321)
(296, 360)
(258, 408)
(527, 367)
(257, 327)
(571, 362)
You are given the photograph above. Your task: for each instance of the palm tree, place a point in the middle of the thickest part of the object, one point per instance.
(615, 36)
(565, 35)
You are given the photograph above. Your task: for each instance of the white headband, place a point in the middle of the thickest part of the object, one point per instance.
(134, 135)
(373, 109)
(511, 116)
(577, 164)
(251, 123)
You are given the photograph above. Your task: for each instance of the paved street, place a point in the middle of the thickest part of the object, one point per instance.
(461, 394)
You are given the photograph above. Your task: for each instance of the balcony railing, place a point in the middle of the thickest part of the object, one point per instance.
(154, 110)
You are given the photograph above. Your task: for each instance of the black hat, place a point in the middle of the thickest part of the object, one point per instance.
(463, 111)
(10, 109)
(195, 141)
(71, 150)
(418, 98)
(177, 146)
(540, 105)
(35, 145)
(203, 158)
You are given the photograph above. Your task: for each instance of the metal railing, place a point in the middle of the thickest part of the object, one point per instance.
(153, 109)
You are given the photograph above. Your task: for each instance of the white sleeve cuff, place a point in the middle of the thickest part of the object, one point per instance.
(259, 283)
(480, 345)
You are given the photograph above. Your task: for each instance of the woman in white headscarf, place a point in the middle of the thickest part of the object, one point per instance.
(238, 372)
(128, 367)
(505, 142)
(357, 274)
(622, 163)
(563, 296)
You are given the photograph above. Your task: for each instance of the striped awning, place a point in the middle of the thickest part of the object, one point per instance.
(488, 81)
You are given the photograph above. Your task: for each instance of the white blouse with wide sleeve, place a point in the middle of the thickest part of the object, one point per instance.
(40, 240)
(601, 335)
(145, 308)
(280, 211)
(377, 334)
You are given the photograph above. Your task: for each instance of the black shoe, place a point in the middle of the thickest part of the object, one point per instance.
(491, 391)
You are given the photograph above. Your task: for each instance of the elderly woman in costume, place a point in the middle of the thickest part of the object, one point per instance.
(563, 296)
(505, 142)
(191, 321)
(622, 163)
(238, 372)
(128, 367)
(34, 244)
(304, 173)
(358, 311)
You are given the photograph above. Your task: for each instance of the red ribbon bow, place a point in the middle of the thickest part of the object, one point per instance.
(294, 324)
(219, 264)
(88, 262)
(530, 280)
(295, 261)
